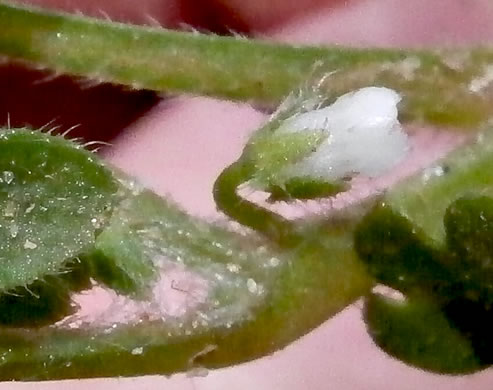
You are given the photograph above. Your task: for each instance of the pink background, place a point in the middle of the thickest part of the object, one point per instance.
(181, 144)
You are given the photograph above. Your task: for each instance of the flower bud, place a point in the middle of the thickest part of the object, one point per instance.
(308, 144)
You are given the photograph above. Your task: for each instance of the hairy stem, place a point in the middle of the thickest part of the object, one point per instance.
(301, 288)
(201, 295)
(247, 213)
(438, 87)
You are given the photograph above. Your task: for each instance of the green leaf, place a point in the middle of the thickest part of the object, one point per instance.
(424, 198)
(456, 280)
(469, 226)
(418, 333)
(46, 301)
(398, 256)
(121, 259)
(147, 234)
(54, 196)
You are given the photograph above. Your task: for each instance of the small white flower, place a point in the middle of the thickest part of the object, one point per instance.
(364, 136)
(310, 150)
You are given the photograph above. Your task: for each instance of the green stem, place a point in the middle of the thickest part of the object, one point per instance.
(303, 287)
(439, 87)
(218, 299)
(248, 213)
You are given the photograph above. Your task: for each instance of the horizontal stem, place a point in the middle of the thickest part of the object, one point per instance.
(220, 297)
(304, 287)
(439, 87)
(160, 59)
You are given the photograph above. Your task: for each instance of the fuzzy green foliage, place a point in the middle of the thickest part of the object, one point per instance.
(417, 332)
(48, 186)
(424, 197)
(271, 153)
(442, 265)
(257, 301)
(443, 281)
(66, 217)
(146, 233)
(245, 298)
(120, 259)
(469, 226)
(396, 255)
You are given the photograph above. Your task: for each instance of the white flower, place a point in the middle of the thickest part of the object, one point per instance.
(307, 150)
(363, 136)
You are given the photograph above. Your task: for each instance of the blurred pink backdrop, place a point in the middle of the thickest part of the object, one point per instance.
(181, 144)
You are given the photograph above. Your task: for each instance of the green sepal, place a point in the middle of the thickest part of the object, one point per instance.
(304, 188)
(274, 153)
